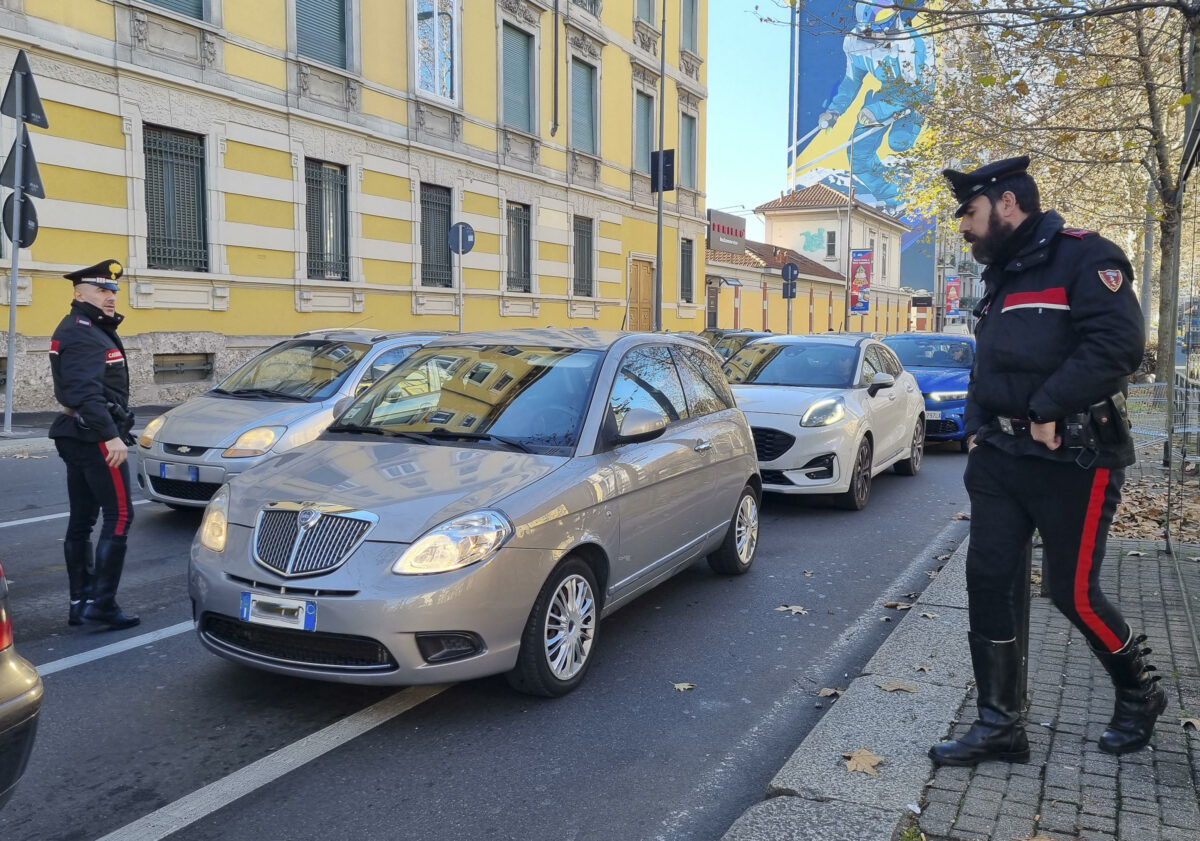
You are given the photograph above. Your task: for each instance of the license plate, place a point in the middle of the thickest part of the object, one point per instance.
(299, 614)
(182, 472)
(933, 415)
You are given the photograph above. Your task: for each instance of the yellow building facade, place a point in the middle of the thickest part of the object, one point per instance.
(263, 168)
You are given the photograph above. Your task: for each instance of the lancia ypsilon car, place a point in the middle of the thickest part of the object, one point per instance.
(941, 362)
(829, 412)
(20, 703)
(280, 399)
(478, 511)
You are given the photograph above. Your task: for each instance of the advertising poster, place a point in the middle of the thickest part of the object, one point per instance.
(860, 280)
(953, 294)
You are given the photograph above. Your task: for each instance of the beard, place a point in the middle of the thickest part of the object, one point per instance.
(985, 249)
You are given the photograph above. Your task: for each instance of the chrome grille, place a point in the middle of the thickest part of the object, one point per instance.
(295, 539)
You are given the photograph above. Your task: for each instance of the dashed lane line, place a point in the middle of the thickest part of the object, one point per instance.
(203, 802)
(45, 517)
(115, 648)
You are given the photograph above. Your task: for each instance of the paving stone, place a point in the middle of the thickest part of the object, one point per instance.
(984, 809)
(937, 818)
(1103, 823)
(1059, 817)
(941, 795)
(1008, 827)
(1137, 827)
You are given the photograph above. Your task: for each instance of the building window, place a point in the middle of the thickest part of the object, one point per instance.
(436, 27)
(883, 258)
(519, 247)
(321, 30)
(645, 10)
(592, 6)
(830, 244)
(643, 131)
(686, 272)
(176, 235)
(687, 151)
(191, 8)
(584, 252)
(583, 106)
(688, 26)
(435, 235)
(325, 186)
(518, 79)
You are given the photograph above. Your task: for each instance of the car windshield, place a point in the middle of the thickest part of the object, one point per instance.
(531, 398)
(298, 369)
(771, 363)
(932, 352)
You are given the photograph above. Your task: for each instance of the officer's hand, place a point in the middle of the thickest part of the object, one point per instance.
(971, 443)
(1046, 434)
(115, 452)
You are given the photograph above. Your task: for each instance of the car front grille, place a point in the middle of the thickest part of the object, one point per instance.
(328, 652)
(775, 477)
(941, 427)
(770, 444)
(178, 489)
(282, 544)
(185, 450)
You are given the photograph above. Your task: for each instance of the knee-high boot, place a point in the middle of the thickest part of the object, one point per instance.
(999, 732)
(78, 555)
(1140, 700)
(103, 608)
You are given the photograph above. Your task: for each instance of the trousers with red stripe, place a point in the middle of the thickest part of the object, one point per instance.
(94, 488)
(1071, 508)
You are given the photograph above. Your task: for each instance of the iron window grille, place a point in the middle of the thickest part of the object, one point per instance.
(584, 248)
(520, 278)
(686, 272)
(176, 235)
(436, 27)
(321, 30)
(435, 236)
(325, 186)
(592, 6)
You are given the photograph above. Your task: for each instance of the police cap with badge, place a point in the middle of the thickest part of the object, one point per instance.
(967, 185)
(104, 274)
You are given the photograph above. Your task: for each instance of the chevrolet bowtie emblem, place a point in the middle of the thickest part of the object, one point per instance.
(184, 449)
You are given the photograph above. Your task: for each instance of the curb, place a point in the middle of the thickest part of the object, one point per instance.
(813, 797)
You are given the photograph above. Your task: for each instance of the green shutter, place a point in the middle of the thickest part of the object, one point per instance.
(518, 79)
(321, 30)
(687, 150)
(191, 8)
(583, 106)
(644, 130)
(688, 15)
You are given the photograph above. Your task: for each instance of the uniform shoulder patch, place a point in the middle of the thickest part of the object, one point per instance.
(1112, 278)
(1077, 233)
(85, 322)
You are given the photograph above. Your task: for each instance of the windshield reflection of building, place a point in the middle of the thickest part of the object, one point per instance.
(748, 362)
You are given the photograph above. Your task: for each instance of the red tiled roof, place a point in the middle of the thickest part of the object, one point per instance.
(729, 257)
(821, 197)
(760, 255)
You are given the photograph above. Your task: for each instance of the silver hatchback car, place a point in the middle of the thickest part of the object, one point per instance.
(479, 509)
(280, 399)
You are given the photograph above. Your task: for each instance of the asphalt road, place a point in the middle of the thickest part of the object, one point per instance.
(162, 738)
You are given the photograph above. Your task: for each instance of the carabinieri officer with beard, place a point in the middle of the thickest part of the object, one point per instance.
(91, 381)
(1059, 332)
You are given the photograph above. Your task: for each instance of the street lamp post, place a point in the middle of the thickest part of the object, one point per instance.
(867, 124)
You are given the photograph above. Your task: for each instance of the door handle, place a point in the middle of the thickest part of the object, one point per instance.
(703, 447)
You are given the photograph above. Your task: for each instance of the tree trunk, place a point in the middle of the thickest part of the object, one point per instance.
(1170, 230)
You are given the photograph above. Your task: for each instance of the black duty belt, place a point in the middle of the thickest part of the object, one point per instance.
(1014, 426)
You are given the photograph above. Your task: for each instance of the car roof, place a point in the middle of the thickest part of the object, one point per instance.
(846, 339)
(583, 338)
(950, 336)
(356, 334)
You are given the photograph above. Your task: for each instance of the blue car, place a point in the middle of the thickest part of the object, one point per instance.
(941, 362)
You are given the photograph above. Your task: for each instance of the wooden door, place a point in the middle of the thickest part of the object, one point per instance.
(641, 295)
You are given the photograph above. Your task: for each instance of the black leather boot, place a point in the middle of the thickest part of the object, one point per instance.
(78, 555)
(999, 732)
(1140, 700)
(102, 607)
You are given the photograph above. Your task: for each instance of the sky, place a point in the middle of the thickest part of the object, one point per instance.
(747, 109)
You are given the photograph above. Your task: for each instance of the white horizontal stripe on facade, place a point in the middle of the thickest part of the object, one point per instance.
(69, 93)
(378, 249)
(609, 275)
(386, 166)
(258, 186)
(551, 268)
(258, 236)
(561, 236)
(252, 136)
(608, 246)
(385, 207)
(548, 218)
(62, 151)
(614, 218)
(77, 216)
(482, 224)
(481, 260)
(1037, 306)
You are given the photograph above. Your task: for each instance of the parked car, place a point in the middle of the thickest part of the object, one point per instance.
(20, 703)
(941, 362)
(478, 511)
(278, 400)
(712, 335)
(731, 343)
(828, 412)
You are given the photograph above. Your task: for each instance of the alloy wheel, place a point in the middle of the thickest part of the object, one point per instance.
(747, 528)
(570, 627)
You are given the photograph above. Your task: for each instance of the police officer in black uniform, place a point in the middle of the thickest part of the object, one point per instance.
(1059, 332)
(91, 381)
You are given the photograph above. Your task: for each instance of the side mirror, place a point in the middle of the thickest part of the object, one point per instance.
(640, 425)
(880, 382)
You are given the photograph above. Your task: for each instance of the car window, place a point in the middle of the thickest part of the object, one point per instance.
(704, 384)
(648, 380)
(386, 361)
(932, 351)
(308, 369)
(767, 362)
(872, 365)
(891, 363)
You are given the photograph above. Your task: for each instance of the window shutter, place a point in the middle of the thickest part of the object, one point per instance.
(583, 106)
(191, 8)
(518, 78)
(687, 150)
(321, 30)
(644, 129)
(688, 19)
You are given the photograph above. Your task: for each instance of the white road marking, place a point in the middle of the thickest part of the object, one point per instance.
(116, 648)
(203, 802)
(45, 517)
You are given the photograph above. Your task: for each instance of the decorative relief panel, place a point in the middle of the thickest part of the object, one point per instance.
(326, 87)
(521, 11)
(179, 295)
(432, 303)
(520, 306)
(583, 44)
(645, 36)
(329, 300)
(584, 169)
(24, 289)
(690, 64)
(583, 309)
(520, 148)
(172, 39)
(438, 122)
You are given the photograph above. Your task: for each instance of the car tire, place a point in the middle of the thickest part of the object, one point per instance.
(736, 552)
(911, 466)
(548, 664)
(855, 498)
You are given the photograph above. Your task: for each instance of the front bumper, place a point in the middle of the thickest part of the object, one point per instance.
(20, 703)
(944, 420)
(180, 480)
(816, 463)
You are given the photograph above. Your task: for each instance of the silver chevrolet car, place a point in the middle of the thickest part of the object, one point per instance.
(280, 399)
(479, 509)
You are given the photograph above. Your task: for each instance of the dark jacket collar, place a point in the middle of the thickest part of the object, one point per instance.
(96, 315)
(1028, 246)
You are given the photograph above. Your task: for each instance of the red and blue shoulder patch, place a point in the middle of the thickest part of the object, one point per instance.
(85, 322)
(1077, 233)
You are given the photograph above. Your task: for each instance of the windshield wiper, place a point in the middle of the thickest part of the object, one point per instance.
(266, 392)
(354, 427)
(415, 436)
(482, 436)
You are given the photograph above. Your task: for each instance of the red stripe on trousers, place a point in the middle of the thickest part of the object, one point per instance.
(1083, 565)
(119, 487)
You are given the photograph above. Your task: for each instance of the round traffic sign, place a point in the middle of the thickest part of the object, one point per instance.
(790, 271)
(462, 238)
(29, 220)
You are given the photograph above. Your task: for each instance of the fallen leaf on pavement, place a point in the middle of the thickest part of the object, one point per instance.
(794, 608)
(928, 615)
(898, 605)
(922, 669)
(961, 516)
(885, 619)
(25, 455)
(1193, 723)
(862, 760)
(911, 595)
(808, 573)
(1136, 554)
(945, 557)
(829, 693)
(683, 687)
(896, 686)
(932, 573)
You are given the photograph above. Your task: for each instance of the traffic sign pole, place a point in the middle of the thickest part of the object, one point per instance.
(458, 277)
(10, 366)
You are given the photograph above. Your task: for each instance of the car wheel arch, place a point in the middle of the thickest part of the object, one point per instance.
(595, 557)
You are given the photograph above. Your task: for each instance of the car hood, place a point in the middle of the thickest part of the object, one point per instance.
(941, 379)
(410, 487)
(781, 399)
(208, 421)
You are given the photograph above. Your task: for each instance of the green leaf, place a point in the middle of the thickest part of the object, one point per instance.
(986, 81)
(1186, 99)
(1104, 81)
(1060, 79)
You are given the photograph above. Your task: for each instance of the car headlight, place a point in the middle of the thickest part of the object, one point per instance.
(152, 428)
(254, 442)
(824, 412)
(940, 396)
(457, 543)
(214, 528)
